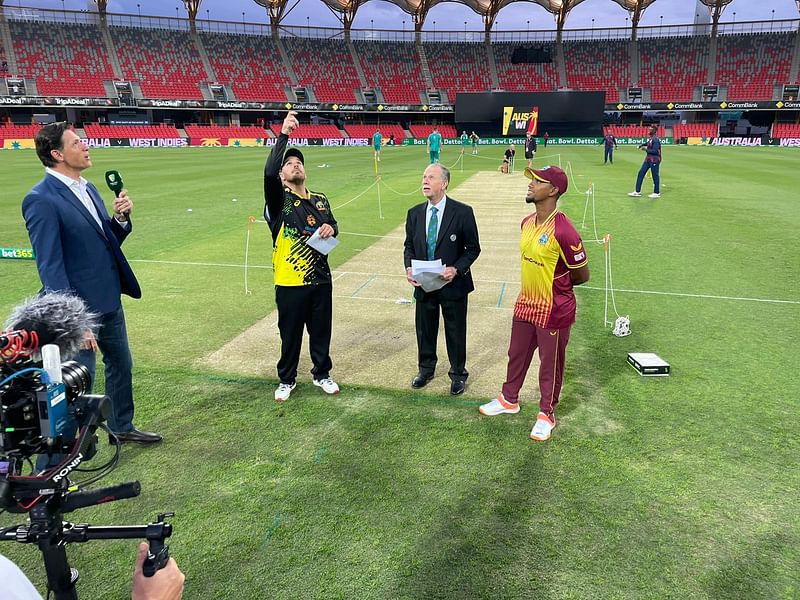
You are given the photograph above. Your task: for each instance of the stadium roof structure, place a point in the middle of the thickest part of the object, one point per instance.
(418, 9)
(345, 10)
(716, 7)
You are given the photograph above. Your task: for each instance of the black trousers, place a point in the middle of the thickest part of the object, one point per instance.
(309, 307)
(455, 334)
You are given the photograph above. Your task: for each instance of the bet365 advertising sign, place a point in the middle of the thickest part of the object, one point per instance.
(17, 253)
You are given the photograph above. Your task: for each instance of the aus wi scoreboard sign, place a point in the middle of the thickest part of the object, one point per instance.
(518, 121)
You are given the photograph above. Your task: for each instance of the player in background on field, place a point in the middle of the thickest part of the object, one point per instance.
(652, 163)
(434, 145)
(530, 148)
(473, 137)
(609, 145)
(508, 159)
(377, 142)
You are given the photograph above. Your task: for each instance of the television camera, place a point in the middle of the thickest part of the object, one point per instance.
(45, 410)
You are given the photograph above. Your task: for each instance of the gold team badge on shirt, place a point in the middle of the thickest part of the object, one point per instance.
(311, 220)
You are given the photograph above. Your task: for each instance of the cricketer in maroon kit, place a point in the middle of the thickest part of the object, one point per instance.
(553, 259)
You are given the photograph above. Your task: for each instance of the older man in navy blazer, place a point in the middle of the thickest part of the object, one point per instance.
(442, 228)
(78, 251)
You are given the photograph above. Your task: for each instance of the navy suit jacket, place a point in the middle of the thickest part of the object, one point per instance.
(457, 245)
(73, 253)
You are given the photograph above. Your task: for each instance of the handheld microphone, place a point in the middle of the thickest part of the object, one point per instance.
(56, 318)
(114, 182)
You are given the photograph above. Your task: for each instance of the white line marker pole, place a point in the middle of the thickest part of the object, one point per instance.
(250, 221)
(380, 208)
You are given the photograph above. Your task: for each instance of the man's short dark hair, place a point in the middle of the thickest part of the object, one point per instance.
(49, 138)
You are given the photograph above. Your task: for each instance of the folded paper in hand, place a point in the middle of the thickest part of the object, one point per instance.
(426, 266)
(323, 246)
(428, 273)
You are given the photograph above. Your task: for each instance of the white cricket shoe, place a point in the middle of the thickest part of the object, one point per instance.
(499, 406)
(634, 194)
(544, 425)
(654, 195)
(284, 391)
(328, 385)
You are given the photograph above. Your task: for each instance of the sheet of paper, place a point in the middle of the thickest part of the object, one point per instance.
(430, 282)
(426, 266)
(323, 246)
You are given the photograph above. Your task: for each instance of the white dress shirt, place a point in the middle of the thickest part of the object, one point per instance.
(78, 187)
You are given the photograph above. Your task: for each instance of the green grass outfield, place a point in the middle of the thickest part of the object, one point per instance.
(678, 487)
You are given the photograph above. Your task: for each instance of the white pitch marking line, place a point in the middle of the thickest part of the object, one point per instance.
(709, 296)
(621, 290)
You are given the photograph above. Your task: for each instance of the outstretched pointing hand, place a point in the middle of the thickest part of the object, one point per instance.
(290, 123)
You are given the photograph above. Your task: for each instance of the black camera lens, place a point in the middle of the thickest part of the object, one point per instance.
(77, 380)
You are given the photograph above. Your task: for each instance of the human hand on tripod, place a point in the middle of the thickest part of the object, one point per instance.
(166, 584)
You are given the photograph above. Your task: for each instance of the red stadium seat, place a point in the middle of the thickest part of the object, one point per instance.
(325, 65)
(542, 77)
(598, 66)
(18, 131)
(393, 67)
(161, 131)
(68, 60)
(423, 131)
(165, 62)
(458, 67)
(250, 64)
(786, 130)
(752, 65)
(706, 130)
(636, 131)
(367, 131)
(673, 67)
(310, 131)
(222, 131)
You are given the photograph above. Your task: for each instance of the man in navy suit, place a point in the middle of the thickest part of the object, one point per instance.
(77, 248)
(442, 228)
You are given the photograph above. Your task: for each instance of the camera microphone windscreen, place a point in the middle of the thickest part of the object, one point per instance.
(57, 318)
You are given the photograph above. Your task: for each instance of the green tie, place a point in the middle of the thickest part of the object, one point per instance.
(433, 225)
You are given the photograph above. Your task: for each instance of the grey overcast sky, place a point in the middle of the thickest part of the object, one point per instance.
(447, 16)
